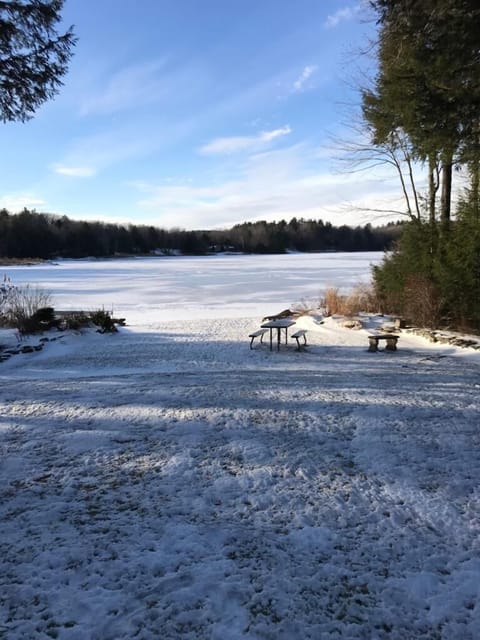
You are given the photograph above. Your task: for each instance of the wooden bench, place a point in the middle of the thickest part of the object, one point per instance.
(391, 342)
(259, 333)
(67, 313)
(301, 333)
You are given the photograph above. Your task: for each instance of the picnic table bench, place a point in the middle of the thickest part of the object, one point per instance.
(391, 342)
(279, 325)
(301, 333)
(259, 333)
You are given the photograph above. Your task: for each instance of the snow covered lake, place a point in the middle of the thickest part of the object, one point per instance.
(205, 287)
(169, 482)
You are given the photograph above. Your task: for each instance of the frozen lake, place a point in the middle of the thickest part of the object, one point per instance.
(202, 287)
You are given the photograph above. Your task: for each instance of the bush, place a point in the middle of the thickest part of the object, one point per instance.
(104, 320)
(45, 316)
(6, 292)
(27, 309)
(24, 308)
(422, 301)
(41, 320)
(74, 321)
(433, 278)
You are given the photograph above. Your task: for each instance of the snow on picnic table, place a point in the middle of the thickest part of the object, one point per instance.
(169, 482)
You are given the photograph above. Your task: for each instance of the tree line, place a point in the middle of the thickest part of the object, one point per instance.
(29, 234)
(423, 109)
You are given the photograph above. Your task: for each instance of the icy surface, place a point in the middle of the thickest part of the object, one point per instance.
(169, 482)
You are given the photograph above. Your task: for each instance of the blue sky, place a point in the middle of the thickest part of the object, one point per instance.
(196, 114)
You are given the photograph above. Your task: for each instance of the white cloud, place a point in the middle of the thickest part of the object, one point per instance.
(74, 172)
(299, 84)
(18, 201)
(266, 136)
(342, 15)
(121, 142)
(130, 87)
(93, 153)
(278, 184)
(235, 144)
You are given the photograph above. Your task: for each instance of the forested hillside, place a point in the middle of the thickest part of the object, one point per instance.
(33, 235)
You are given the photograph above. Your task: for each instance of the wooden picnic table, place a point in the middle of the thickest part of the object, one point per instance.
(279, 324)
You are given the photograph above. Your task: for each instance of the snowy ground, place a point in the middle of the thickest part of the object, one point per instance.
(169, 482)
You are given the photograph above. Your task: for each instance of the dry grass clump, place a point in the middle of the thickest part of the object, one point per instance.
(8, 262)
(361, 299)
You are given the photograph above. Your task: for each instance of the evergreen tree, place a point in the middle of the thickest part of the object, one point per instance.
(428, 86)
(33, 56)
(428, 82)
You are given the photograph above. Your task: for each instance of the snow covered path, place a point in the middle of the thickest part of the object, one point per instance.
(167, 482)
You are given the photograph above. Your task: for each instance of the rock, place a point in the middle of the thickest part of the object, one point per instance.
(352, 324)
(286, 313)
(27, 349)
